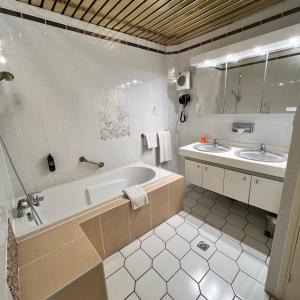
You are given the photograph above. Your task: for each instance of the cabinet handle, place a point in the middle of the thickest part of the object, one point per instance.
(257, 181)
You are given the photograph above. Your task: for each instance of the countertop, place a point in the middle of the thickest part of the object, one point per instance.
(231, 160)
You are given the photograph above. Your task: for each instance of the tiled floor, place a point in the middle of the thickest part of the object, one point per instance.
(214, 249)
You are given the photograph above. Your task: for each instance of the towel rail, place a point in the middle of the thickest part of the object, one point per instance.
(143, 135)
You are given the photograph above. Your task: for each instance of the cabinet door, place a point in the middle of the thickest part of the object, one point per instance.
(265, 193)
(213, 178)
(237, 185)
(193, 172)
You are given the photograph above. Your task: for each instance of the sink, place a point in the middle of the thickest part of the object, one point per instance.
(212, 148)
(257, 155)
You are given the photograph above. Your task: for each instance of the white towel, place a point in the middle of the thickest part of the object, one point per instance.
(137, 196)
(150, 140)
(165, 149)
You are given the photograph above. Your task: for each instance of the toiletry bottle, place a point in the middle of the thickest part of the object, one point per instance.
(51, 163)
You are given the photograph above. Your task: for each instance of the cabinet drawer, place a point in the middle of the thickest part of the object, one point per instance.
(213, 178)
(265, 193)
(237, 185)
(193, 172)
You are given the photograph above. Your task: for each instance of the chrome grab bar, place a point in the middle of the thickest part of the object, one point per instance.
(99, 164)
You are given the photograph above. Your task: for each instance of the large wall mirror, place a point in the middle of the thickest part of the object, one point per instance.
(268, 83)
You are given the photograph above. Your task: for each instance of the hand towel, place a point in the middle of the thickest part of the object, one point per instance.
(165, 149)
(150, 140)
(137, 196)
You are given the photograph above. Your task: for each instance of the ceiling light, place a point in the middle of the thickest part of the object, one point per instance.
(294, 42)
(134, 81)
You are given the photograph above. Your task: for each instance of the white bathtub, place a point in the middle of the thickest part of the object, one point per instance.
(69, 199)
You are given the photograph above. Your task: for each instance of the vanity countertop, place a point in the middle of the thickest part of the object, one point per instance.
(231, 160)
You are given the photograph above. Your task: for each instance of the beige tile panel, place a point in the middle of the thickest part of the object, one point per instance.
(115, 228)
(140, 221)
(56, 269)
(175, 196)
(36, 246)
(92, 230)
(159, 203)
(89, 286)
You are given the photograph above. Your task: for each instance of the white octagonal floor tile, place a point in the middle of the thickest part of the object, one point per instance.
(167, 297)
(206, 202)
(194, 220)
(239, 209)
(177, 220)
(133, 296)
(233, 232)
(215, 220)
(223, 266)
(183, 287)
(150, 286)
(187, 231)
(194, 265)
(236, 220)
(194, 195)
(210, 232)
(146, 235)
(113, 263)
(253, 266)
(213, 287)
(164, 231)
(189, 202)
(248, 288)
(153, 245)
(178, 246)
(220, 210)
(124, 283)
(201, 210)
(138, 263)
(229, 247)
(205, 254)
(132, 247)
(166, 264)
(256, 232)
(255, 248)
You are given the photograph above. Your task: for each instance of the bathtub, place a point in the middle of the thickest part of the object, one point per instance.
(64, 201)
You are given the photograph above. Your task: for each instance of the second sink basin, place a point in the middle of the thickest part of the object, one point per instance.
(257, 155)
(212, 148)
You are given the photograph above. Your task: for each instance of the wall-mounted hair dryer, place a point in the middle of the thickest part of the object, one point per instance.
(184, 100)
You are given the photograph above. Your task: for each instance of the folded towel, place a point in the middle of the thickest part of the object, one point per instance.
(137, 196)
(165, 149)
(150, 140)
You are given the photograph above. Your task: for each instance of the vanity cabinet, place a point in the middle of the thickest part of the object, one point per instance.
(193, 172)
(257, 191)
(213, 178)
(237, 185)
(265, 193)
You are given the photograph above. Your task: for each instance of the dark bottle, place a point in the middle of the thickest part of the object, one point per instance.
(51, 163)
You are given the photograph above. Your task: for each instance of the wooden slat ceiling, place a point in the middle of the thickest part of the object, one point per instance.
(168, 22)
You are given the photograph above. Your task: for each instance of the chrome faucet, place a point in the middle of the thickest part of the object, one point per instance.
(23, 204)
(215, 142)
(262, 148)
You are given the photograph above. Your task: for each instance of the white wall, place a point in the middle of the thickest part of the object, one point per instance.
(51, 106)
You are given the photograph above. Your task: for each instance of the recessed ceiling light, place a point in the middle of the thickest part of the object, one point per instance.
(295, 42)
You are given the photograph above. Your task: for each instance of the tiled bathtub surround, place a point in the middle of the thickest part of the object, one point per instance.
(167, 262)
(47, 259)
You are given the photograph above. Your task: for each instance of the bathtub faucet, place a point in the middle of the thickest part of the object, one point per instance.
(99, 164)
(23, 204)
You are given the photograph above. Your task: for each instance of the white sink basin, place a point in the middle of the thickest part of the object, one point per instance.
(257, 155)
(212, 148)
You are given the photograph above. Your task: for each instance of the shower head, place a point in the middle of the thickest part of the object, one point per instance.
(6, 76)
